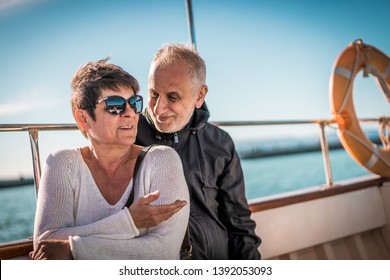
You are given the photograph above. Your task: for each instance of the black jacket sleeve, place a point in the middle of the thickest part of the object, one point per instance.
(234, 211)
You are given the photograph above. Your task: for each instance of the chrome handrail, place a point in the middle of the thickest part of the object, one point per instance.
(325, 155)
(33, 130)
(33, 133)
(26, 127)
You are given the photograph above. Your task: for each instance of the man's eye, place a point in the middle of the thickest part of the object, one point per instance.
(153, 94)
(173, 98)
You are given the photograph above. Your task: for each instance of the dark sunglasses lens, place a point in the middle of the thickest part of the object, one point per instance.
(136, 103)
(115, 105)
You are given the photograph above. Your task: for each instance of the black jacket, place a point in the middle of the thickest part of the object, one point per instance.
(220, 224)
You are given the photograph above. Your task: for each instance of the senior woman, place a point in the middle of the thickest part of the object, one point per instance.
(81, 212)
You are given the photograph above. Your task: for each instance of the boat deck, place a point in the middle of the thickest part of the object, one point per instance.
(344, 223)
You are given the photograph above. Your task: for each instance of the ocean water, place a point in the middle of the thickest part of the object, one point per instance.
(17, 210)
(278, 174)
(263, 177)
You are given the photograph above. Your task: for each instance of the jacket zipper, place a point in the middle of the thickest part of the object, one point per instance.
(176, 137)
(165, 142)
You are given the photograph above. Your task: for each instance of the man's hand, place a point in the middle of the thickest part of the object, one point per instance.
(146, 215)
(52, 250)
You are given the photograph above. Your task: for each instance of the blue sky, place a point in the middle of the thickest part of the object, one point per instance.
(266, 60)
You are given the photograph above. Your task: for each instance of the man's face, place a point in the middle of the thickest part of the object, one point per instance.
(171, 97)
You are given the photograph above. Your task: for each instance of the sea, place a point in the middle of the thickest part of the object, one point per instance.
(265, 176)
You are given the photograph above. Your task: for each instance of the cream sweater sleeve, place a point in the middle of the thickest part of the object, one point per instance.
(60, 198)
(161, 170)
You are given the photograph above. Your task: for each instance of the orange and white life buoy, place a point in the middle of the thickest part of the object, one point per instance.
(356, 57)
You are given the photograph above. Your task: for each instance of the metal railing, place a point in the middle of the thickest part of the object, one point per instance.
(33, 131)
(323, 139)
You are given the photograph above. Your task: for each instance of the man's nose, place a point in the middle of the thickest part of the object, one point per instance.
(161, 106)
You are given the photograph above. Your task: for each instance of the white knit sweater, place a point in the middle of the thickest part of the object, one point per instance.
(71, 207)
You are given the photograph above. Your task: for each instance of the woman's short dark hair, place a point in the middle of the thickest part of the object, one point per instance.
(91, 79)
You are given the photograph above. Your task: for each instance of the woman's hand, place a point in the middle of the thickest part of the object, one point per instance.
(145, 215)
(52, 250)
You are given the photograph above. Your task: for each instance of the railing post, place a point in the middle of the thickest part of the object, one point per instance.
(325, 155)
(190, 21)
(33, 134)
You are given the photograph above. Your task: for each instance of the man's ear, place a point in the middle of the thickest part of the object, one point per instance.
(81, 119)
(201, 96)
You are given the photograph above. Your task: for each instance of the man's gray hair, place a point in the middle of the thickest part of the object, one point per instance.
(171, 53)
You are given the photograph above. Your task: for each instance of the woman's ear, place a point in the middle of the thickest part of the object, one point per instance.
(81, 117)
(201, 96)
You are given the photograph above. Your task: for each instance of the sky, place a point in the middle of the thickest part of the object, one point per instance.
(266, 60)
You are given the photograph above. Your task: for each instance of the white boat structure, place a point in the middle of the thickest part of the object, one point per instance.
(337, 220)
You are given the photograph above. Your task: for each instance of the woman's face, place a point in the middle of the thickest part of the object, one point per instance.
(113, 129)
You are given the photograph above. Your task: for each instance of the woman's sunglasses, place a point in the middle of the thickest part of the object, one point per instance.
(117, 104)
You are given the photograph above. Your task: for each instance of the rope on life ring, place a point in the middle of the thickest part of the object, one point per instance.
(356, 57)
(384, 131)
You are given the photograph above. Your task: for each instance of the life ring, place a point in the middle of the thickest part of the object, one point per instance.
(356, 57)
